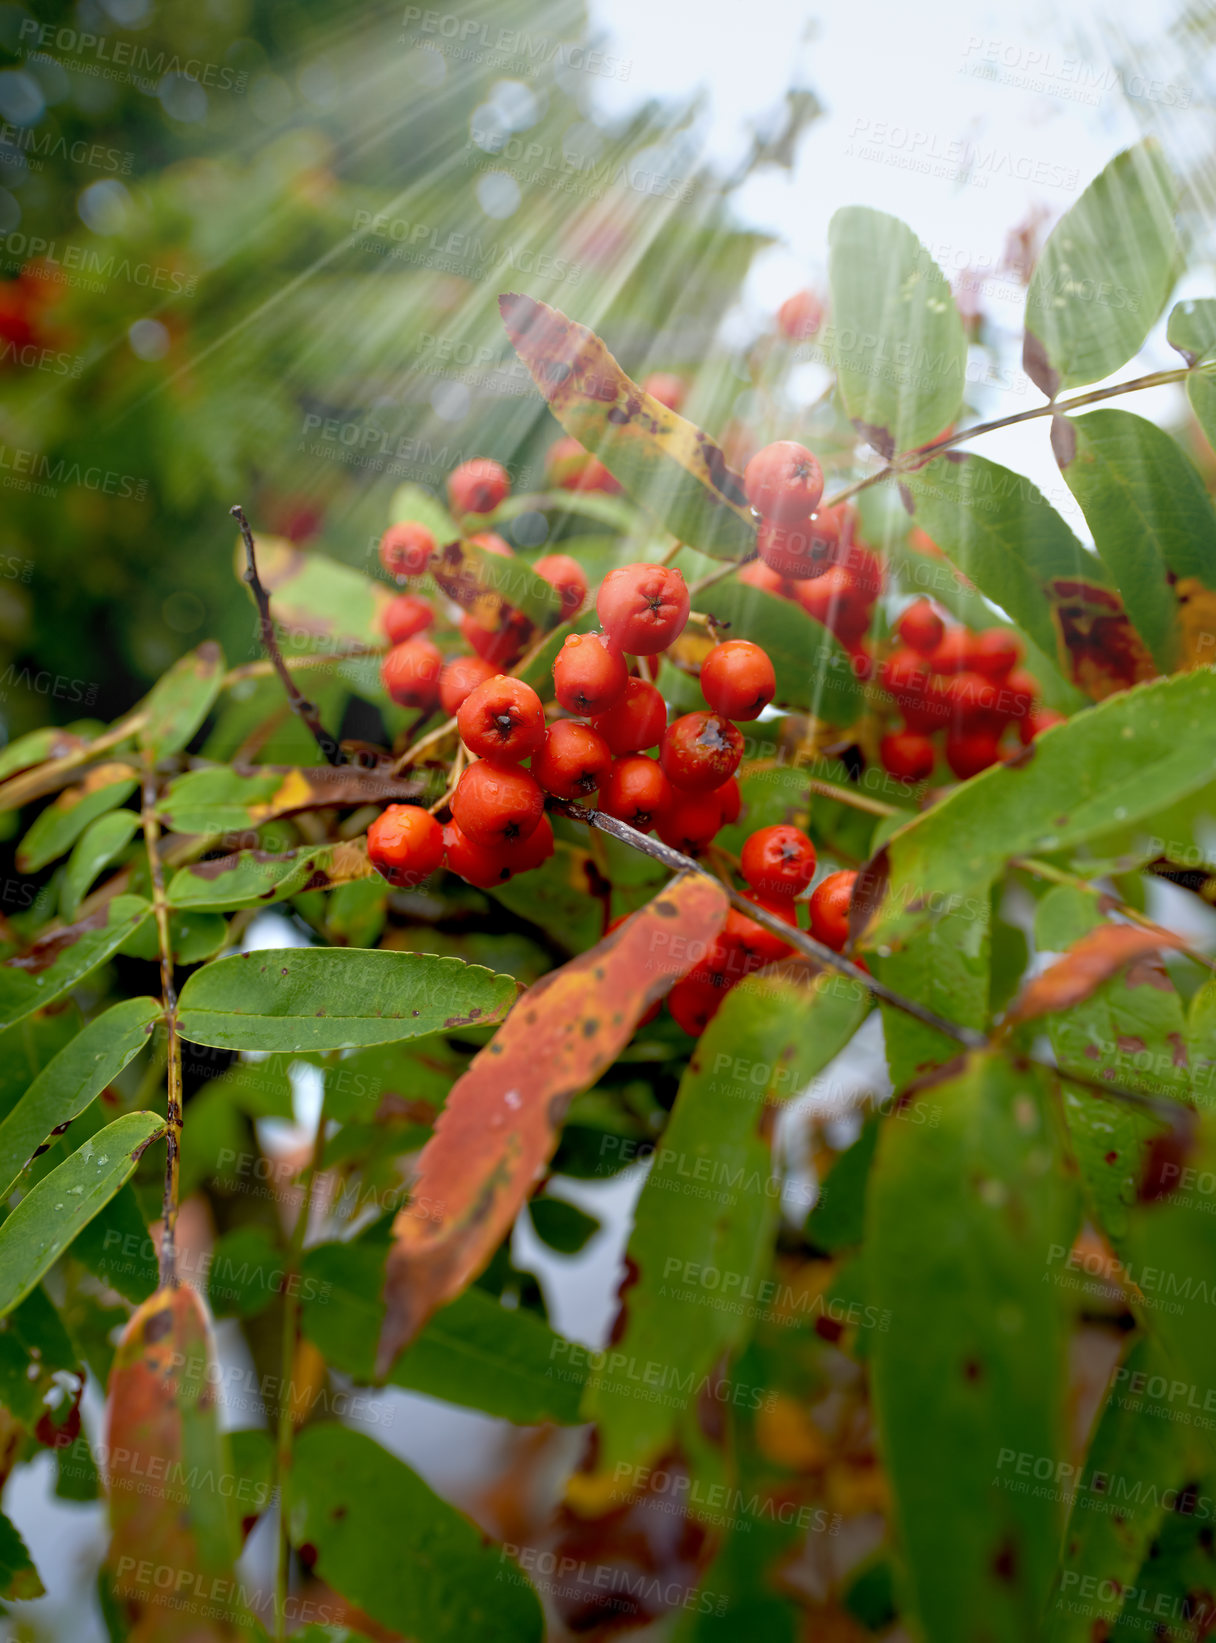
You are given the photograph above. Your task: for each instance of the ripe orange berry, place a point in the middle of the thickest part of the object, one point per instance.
(405, 844)
(405, 616)
(589, 675)
(1034, 724)
(995, 652)
(643, 607)
(778, 861)
(908, 755)
(636, 721)
(573, 760)
(491, 542)
(800, 316)
(565, 460)
(784, 482)
(741, 947)
(968, 752)
(635, 790)
(568, 577)
(478, 864)
(502, 719)
(731, 800)
(406, 549)
(800, 552)
(920, 628)
(829, 909)
(460, 677)
(689, 821)
(975, 702)
(496, 804)
(953, 653)
(525, 854)
(737, 679)
(700, 751)
(478, 486)
(410, 673)
(501, 645)
(757, 574)
(693, 1005)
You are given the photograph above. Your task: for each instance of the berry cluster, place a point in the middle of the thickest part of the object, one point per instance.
(808, 553)
(965, 684)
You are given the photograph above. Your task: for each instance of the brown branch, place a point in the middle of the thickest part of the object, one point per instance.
(300, 706)
(173, 1110)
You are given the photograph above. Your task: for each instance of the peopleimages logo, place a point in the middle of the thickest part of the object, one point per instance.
(127, 54)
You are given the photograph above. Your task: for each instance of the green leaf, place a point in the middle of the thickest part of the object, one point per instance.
(710, 1206)
(19, 1581)
(837, 1220)
(300, 998)
(76, 1076)
(59, 826)
(222, 800)
(316, 600)
(814, 673)
(669, 466)
(901, 354)
(440, 1583)
(473, 1352)
(96, 848)
(192, 938)
(947, 970)
(1118, 761)
(1104, 274)
(1149, 513)
(53, 1212)
(1191, 329)
(561, 1225)
(65, 956)
(1005, 537)
(247, 1272)
(1201, 391)
(558, 897)
(466, 567)
(412, 502)
(117, 1247)
(1136, 1456)
(971, 1373)
(257, 877)
(179, 702)
(36, 748)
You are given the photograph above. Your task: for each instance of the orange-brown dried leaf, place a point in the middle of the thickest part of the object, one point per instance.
(169, 1509)
(500, 1124)
(1099, 954)
(1106, 652)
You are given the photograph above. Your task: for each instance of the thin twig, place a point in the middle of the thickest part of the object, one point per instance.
(807, 945)
(907, 461)
(300, 706)
(173, 1049)
(288, 1342)
(431, 739)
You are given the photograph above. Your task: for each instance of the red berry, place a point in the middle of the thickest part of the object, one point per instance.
(501, 645)
(405, 844)
(829, 909)
(700, 751)
(460, 677)
(865, 570)
(690, 821)
(1022, 684)
(589, 675)
(784, 482)
(800, 552)
(643, 607)
(481, 865)
(1034, 724)
(800, 316)
(573, 760)
(920, 628)
(731, 800)
(908, 755)
(740, 947)
(922, 698)
(502, 719)
(975, 702)
(406, 549)
(778, 861)
(970, 751)
(405, 616)
(478, 486)
(693, 1005)
(995, 652)
(849, 617)
(594, 476)
(410, 673)
(737, 679)
(668, 389)
(568, 577)
(827, 595)
(529, 853)
(953, 654)
(635, 790)
(496, 804)
(565, 460)
(636, 721)
(757, 574)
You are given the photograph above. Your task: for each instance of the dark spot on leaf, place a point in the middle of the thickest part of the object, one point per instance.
(1111, 1157)
(828, 1329)
(665, 909)
(1063, 440)
(590, 1027)
(157, 1326)
(1038, 367)
(1023, 756)
(1004, 1564)
(972, 1369)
